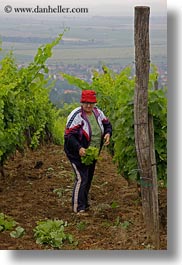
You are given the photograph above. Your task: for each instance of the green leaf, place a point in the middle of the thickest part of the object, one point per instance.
(125, 224)
(92, 154)
(19, 232)
(51, 232)
(114, 205)
(6, 222)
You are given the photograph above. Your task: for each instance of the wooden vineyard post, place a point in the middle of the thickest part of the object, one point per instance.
(143, 126)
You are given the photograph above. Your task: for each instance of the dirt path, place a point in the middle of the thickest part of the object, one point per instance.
(28, 194)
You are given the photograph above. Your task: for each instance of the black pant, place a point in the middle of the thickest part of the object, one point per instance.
(83, 179)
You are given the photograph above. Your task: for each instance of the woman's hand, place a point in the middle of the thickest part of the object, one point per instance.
(82, 151)
(107, 139)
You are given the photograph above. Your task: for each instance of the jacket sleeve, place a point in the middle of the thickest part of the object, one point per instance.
(72, 133)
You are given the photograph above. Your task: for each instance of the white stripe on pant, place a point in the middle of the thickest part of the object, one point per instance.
(77, 188)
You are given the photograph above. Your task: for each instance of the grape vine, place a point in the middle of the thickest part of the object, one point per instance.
(26, 114)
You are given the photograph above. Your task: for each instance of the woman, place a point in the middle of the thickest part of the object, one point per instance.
(86, 126)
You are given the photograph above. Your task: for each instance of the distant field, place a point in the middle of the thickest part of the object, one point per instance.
(72, 54)
(88, 55)
(87, 40)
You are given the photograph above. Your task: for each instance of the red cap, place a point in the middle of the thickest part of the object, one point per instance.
(88, 96)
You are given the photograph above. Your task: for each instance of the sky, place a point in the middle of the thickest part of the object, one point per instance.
(96, 7)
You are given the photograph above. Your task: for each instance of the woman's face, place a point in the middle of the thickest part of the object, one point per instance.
(88, 107)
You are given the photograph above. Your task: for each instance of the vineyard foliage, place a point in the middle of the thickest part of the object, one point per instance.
(27, 116)
(115, 94)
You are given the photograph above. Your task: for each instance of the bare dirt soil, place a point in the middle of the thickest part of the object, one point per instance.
(115, 221)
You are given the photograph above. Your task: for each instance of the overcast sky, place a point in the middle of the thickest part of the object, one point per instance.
(96, 7)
